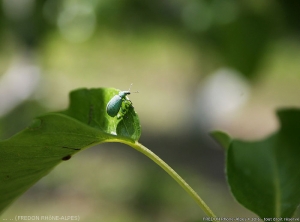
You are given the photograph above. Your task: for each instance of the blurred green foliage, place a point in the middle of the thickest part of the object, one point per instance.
(228, 33)
(239, 31)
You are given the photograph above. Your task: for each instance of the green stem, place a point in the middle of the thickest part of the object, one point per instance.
(139, 147)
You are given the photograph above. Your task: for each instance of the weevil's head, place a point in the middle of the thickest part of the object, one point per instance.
(122, 94)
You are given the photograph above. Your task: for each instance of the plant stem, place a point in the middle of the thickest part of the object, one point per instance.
(139, 147)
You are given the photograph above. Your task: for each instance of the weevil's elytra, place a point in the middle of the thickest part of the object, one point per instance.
(114, 105)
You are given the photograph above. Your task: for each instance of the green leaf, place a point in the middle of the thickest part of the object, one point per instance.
(89, 107)
(264, 176)
(55, 137)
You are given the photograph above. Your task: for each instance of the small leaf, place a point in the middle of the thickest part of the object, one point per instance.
(55, 137)
(264, 176)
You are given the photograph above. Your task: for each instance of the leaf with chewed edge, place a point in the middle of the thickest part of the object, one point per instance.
(55, 137)
(264, 175)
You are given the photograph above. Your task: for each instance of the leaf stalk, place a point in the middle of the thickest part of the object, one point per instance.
(139, 147)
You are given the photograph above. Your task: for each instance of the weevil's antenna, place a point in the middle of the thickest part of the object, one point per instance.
(130, 88)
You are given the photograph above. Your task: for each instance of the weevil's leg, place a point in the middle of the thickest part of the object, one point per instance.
(124, 108)
(127, 99)
(127, 105)
(122, 112)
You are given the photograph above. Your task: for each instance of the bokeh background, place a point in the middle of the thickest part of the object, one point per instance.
(198, 65)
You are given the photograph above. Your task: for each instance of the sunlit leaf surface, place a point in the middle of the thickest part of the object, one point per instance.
(55, 137)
